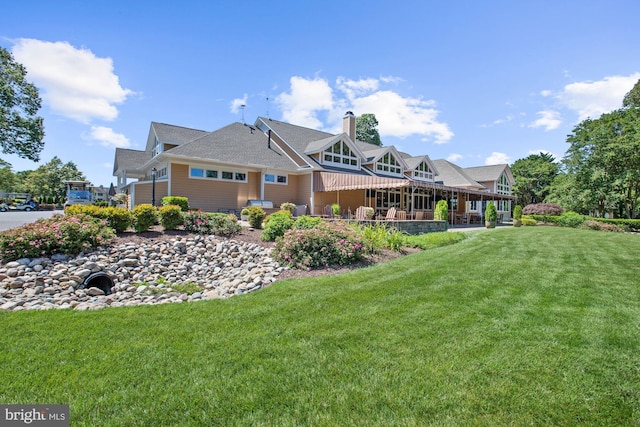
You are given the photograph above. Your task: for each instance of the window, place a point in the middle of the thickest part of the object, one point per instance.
(215, 174)
(270, 178)
(504, 205)
(473, 205)
(388, 164)
(503, 185)
(157, 147)
(340, 154)
(423, 172)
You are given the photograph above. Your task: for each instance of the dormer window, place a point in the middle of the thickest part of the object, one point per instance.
(423, 172)
(157, 147)
(388, 164)
(503, 185)
(340, 154)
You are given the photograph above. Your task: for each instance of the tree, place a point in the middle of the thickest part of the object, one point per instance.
(46, 181)
(21, 130)
(8, 180)
(632, 99)
(534, 176)
(366, 129)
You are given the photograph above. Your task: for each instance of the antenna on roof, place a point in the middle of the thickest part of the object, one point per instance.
(268, 108)
(242, 108)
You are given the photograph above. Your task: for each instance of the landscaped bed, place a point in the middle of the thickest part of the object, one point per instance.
(537, 325)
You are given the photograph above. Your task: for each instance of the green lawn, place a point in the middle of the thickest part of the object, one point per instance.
(530, 326)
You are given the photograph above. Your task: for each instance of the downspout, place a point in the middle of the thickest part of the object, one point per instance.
(311, 200)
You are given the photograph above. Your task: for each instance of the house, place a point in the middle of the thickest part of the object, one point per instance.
(281, 162)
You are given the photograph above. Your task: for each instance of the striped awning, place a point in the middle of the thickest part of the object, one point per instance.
(331, 181)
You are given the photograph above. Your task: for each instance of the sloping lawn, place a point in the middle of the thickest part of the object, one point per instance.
(530, 326)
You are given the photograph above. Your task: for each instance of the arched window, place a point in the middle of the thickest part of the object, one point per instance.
(503, 185)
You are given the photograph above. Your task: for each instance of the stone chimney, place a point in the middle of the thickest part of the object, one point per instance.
(349, 125)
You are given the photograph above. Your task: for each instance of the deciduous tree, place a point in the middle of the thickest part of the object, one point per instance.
(534, 176)
(21, 130)
(367, 129)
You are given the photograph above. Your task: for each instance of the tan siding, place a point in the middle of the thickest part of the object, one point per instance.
(212, 195)
(304, 190)
(143, 192)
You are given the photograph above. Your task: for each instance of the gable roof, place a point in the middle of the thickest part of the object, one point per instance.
(414, 162)
(171, 134)
(129, 160)
(236, 143)
(453, 175)
(489, 173)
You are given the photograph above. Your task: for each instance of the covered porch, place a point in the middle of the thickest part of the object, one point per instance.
(406, 199)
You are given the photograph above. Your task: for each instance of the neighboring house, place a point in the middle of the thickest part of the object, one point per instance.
(280, 162)
(100, 193)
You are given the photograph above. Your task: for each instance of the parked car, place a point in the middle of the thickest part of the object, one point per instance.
(3, 207)
(24, 206)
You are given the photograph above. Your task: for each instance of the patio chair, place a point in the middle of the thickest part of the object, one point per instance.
(361, 214)
(391, 215)
(327, 212)
(401, 215)
(420, 216)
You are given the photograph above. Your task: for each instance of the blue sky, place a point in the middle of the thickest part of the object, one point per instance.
(475, 82)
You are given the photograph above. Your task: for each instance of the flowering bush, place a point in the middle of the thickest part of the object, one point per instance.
(144, 216)
(211, 223)
(276, 224)
(171, 217)
(66, 234)
(224, 224)
(287, 206)
(197, 222)
(330, 243)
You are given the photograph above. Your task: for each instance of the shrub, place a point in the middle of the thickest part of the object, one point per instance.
(144, 216)
(517, 212)
(570, 219)
(442, 211)
(68, 234)
(330, 243)
(101, 203)
(373, 237)
(223, 224)
(171, 217)
(369, 212)
(197, 222)
(335, 208)
(276, 224)
(118, 218)
(600, 226)
(491, 213)
(120, 198)
(545, 209)
(623, 223)
(91, 210)
(305, 222)
(256, 216)
(528, 221)
(183, 202)
(395, 240)
(286, 206)
(244, 211)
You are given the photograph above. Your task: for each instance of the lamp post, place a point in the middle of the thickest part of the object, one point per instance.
(153, 186)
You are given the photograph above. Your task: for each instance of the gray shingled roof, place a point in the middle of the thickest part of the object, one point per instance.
(485, 173)
(176, 134)
(453, 175)
(297, 137)
(236, 143)
(130, 160)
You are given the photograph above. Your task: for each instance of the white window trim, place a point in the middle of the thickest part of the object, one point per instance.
(220, 172)
(353, 156)
(379, 164)
(275, 177)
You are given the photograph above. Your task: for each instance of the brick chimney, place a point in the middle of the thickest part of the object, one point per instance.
(349, 125)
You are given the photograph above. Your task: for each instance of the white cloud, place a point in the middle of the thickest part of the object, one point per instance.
(74, 82)
(548, 119)
(397, 116)
(107, 165)
(108, 138)
(591, 99)
(497, 158)
(546, 93)
(238, 102)
(306, 98)
(454, 157)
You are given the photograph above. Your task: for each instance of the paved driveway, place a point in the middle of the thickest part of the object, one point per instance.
(11, 219)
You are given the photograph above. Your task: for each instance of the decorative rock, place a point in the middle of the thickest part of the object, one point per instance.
(94, 292)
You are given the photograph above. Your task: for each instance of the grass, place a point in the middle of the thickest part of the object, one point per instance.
(529, 326)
